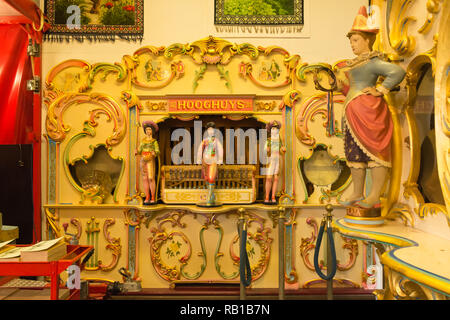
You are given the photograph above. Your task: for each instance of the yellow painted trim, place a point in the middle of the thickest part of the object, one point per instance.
(389, 260)
(98, 280)
(372, 235)
(414, 274)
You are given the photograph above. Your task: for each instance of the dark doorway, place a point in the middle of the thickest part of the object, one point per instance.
(16, 189)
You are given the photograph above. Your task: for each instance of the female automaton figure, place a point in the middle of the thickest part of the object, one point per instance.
(367, 120)
(273, 147)
(210, 153)
(149, 151)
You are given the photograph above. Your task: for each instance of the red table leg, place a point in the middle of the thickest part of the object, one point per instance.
(54, 284)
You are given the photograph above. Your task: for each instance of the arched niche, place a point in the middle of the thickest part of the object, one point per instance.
(428, 178)
(423, 183)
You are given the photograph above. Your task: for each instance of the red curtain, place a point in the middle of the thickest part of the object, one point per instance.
(16, 102)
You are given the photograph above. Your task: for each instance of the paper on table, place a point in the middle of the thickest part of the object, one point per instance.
(43, 245)
(2, 244)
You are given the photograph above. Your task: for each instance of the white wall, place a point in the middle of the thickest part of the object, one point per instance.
(171, 21)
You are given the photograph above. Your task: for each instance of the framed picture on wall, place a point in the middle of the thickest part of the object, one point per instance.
(258, 12)
(95, 19)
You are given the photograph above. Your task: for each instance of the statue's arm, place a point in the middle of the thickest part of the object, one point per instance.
(392, 73)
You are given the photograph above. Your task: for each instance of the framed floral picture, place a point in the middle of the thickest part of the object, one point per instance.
(258, 12)
(95, 19)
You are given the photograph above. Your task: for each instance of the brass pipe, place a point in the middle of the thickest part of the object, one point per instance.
(281, 266)
(329, 218)
(241, 224)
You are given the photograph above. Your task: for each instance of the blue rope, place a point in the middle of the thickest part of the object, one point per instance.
(244, 264)
(330, 273)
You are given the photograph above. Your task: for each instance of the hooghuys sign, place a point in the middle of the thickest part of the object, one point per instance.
(210, 105)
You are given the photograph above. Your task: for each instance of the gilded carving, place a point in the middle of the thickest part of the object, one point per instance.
(433, 8)
(399, 287)
(265, 106)
(96, 185)
(160, 237)
(414, 73)
(171, 252)
(315, 105)
(92, 232)
(113, 245)
(432, 209)
(262, 239)
(337, 283)
(402, 211)
(52, 216)
(267, 76)
(307, 247)
(70, 81)
(400, 40)
(131, 99)
(77, 224)
(156, 106)
(57, 130)
(107, 69)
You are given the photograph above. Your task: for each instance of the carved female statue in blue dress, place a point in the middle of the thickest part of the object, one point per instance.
(367, 119)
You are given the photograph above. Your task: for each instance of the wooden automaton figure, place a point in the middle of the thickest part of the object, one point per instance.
(273, 148)
(149, 152)
(210, 153)
(367, 119)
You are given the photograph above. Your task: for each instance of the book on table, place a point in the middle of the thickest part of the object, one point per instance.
(49, 250)
(10, 254)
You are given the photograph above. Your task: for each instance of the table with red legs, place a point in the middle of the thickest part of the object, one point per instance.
(46, 268)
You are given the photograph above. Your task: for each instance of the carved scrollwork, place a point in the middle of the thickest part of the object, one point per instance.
(77, 224)
(57, 130)
(171, 251)
(113, 245)
(156, 106)
(52, 216)
(72, 82)
(308, 110)
(432, 209)
(307, 246)
(265, 106)
(106, 68)
(400, 41)
(433, 8)
(403, 211)
(160, 237)
(261, 237)
(268, 76)
(133, 218)
(399, 287)
(131, 99)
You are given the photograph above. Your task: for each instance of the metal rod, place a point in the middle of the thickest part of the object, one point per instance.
(242, 293)
(281, 226)
(329, 258)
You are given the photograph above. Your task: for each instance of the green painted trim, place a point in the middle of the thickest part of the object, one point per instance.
(218, 255)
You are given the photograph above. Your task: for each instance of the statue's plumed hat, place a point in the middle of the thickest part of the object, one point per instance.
(149, 123)
(361, 23)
